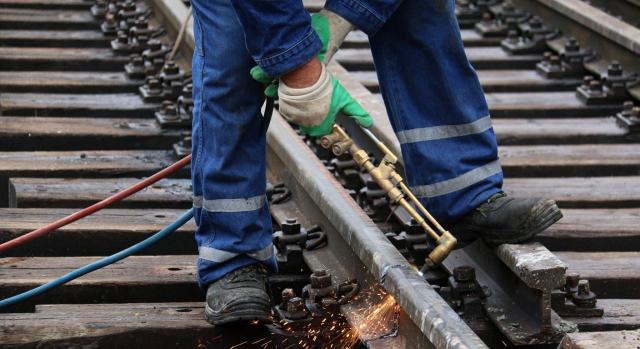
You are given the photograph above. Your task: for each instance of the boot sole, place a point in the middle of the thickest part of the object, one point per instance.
(548, 217)
(235, 316)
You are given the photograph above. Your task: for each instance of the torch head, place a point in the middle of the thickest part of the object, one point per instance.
(446, 243)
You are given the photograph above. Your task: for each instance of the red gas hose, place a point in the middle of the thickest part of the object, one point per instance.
(95, 207)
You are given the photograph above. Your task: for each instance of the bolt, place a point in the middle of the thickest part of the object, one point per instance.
(320, 279)
(123, 38)
(295, 304)
(155, 45)
(464, 273)
(572, 45)
(627, 108)
(142, 40)
(186, 142)
(546, 56)
(614, 69)
(169, 110)
(595, 86)
(142, 24)
(176, 86)
(154, 86)
(413, 228)
(158, 62)
(586, 80)
(512, 36)
(129, 23)
(170, 68)
(129, 6)
(572, 280)
(290, 227)
(535, 22)
(583, 287)
(187, 90)
(512, 23)
(137, 60)
(110, 23)
(555, 60)
(287, 294)
(584, 298)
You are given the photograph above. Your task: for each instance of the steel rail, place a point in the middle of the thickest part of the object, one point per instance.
(355, 242)
(610, 37)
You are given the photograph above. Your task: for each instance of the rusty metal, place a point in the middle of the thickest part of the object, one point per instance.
(530, 38)
(629, 117)
(289, 241)
(575, 299)
(417, 243)
(610, 89)
(121, 43)
(321, 293)
(616, 80)
(183, 147)
(167, 85)
(289, 308)
(278, 193)
(465, 293)
(610, 37)
(519, 280)
(99, 9)
(135, 69)
(567, 62)
(109, 27)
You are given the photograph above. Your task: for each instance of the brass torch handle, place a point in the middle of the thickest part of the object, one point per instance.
(390, 180)
(422, 209)
(418, 218)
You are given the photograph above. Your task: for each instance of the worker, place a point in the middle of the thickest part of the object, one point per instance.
(432, 95)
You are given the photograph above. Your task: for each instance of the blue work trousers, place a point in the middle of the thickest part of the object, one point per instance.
(432, 95)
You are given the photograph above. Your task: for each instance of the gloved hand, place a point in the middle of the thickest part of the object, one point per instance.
(314, 108)
(330, 28)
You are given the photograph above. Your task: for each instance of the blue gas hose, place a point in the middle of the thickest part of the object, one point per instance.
(184, 218)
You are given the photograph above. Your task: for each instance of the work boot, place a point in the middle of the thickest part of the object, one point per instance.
(241, 295)
(503, 219)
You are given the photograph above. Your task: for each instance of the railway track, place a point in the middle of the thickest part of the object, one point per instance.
(75, 129)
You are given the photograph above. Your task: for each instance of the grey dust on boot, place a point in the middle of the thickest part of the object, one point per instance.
(239, 296)
(503, 219)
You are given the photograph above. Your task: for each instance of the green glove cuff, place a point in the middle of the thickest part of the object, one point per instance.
(320, 25)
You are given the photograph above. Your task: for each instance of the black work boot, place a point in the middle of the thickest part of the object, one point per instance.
(503, 219)
(240, 295)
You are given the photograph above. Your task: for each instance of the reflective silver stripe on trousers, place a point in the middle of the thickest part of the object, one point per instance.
(230, 205)
(219, 256)
(454, 184)
(444, 131)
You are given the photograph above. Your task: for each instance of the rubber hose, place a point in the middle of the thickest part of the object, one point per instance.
(100, 263)
(4, 247)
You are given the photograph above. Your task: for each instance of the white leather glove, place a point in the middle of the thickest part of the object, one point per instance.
(314, 108)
